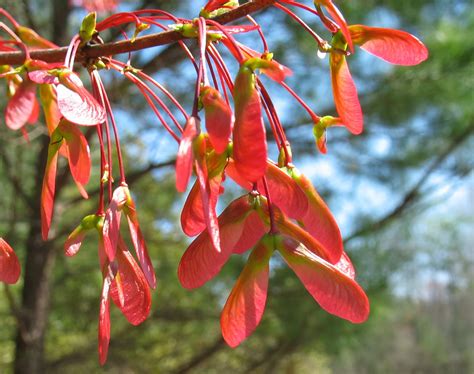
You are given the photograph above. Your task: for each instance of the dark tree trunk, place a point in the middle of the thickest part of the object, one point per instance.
(29, 354)
(40, 255)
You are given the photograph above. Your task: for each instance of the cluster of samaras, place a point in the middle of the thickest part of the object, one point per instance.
(280, 210)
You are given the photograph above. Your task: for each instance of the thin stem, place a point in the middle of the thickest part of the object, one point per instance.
(213, 74)
(230, 38)
(163, 14)
(183, 46)
(221, 77)
(202, 48)
(120, 67)
(118, 19)
(221, 66)
(260, 32)
(17, 41)
(273, 125)
(108, 109)
(167, 94)
(321, 42)
(300, 5)
(146, 91)
(268, 101)
(330, 25)
(10, 18)
(107, 129)
(107, 163)
(314, 117)
(202, 68)
(72, 51)
(271, 212)
(103, 163)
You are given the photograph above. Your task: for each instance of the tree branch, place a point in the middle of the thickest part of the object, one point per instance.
(201, 356)
(15, 181)
(125, 46)
(413, 194)
(119, 339)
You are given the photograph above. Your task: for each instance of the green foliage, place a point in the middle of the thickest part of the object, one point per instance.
(420, 114)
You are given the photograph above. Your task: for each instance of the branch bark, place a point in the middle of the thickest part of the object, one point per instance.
(201, 356)
(40, 256)
(126, 46)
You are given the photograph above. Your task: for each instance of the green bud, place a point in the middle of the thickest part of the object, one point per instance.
(90, 222)
(339, 42)
(141, 27)
(99, 65)
(87, 29)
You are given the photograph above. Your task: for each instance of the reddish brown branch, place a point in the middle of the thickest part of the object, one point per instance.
(125, 46)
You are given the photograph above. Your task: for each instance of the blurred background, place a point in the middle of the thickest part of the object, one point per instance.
(402, 192)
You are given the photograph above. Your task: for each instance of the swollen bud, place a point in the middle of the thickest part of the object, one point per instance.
(219, 118)
(215, 8)
(87, 29)
(74, 240)
(32, 39)
(250, 144)
(285, 156)
(319, 131)
(138, 29)
(269, 67)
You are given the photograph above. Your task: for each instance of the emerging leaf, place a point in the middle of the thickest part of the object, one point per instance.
(345, 265)
(201, 262)
(394, 46)
(215, 8)
(75, 103)
(49, 183)
(345, 94)
(78, 154)
(104, 320)
(254, 229)
(138, 240)
(9, 265)
(87, 29)
(32, 39)
(184, 159)
(21, 106)
(136, 294)
(284, 191)
(250, 145)
(263, 61)
(337, 16)
(292, 230)
(74, 240)
(318, 219)
(219, 118)
(193, 221)
(48, 101)
(271, 68)
(112, 221)
(334, 291)
(246, 303)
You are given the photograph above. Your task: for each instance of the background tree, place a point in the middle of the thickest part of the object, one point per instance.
(402, 192)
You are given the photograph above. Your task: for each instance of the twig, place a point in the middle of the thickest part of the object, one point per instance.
(125, 46)
(413, 194)
(201, 356)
